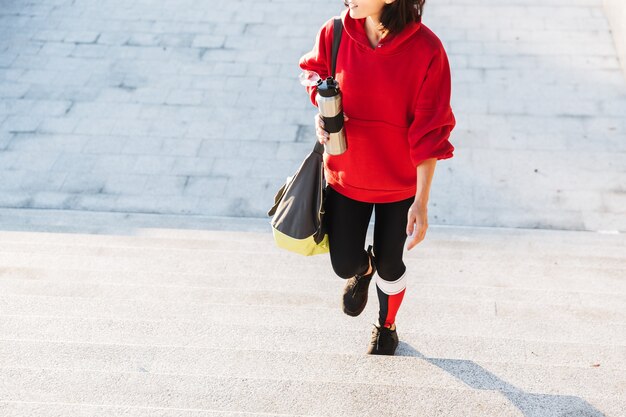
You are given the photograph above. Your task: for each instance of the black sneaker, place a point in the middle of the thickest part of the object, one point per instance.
(355, 290)
(384, 341)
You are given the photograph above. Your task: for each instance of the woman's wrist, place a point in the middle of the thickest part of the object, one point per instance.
(420, 201)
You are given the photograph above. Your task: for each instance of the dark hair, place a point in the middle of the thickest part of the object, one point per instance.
(397, 15)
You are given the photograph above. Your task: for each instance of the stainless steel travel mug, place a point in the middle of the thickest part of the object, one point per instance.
(330, 108)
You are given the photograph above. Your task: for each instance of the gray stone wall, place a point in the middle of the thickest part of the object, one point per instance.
(194, 107)
(616, 13)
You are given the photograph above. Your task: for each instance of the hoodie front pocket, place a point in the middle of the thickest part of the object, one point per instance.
(377, 157)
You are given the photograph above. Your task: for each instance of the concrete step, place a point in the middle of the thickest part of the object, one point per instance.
(229, 301)
(441, 238)
(94, 222)
(297, 290)
(78, 223)
(276, 364)
(257, 250)
(475, 276)
(47, 409)
(257, 265)
(468, 396)
(221, 322)
(22, 326)
(352, 340)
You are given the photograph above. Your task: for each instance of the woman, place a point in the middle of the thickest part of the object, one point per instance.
(394, 76)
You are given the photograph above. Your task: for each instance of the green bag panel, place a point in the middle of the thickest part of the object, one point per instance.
(306, 247)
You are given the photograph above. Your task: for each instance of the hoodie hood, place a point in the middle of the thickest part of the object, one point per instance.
(392, 43)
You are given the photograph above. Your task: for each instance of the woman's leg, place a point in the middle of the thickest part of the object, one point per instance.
(389, 239)
(347, 221)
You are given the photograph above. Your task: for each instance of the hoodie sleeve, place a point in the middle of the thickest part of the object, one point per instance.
(318, 59)
(433, 118)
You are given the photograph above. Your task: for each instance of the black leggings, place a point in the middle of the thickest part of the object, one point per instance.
(347, 222)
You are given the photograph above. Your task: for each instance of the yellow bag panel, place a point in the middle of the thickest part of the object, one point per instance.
(306, 247)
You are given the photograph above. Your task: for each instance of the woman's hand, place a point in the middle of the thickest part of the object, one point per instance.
(322, 135)
(417, 223)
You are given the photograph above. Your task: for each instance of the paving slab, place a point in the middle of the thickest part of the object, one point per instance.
(163, 108)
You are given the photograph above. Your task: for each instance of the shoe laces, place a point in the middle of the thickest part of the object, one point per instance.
(358, 285)
(376, 336)
(376, 333)
(360, 279)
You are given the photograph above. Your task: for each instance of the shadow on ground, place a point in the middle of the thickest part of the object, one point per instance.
(530, 404)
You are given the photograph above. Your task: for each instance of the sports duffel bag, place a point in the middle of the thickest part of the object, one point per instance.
(298, 211)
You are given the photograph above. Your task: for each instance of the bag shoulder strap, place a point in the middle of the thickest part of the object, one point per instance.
(337, 32)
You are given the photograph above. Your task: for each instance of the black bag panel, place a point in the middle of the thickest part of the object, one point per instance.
(279, 196)
(298, 214)
(321, 230)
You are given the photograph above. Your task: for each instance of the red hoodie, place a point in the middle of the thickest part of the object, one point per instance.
(397, 98)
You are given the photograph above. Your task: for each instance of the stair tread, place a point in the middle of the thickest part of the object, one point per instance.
(417, 371)
(46, 409)
(128, 305)
(234, 394)
(192, 331)
(472, 276)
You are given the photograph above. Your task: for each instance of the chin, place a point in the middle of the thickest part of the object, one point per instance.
(355, 14)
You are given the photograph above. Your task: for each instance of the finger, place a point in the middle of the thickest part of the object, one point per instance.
(345, 117)
(410, 228)
(322, 134)
(410, 224)
(416, 239)
(419, 235)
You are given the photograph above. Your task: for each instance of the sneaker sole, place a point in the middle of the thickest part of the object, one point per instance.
(352, 313)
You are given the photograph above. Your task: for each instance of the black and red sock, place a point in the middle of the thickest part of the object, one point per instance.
(390, 295)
